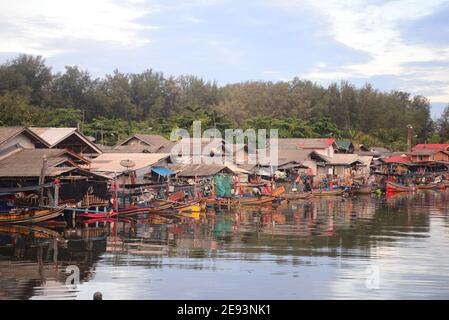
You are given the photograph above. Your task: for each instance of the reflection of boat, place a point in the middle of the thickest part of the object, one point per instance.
(91, 221)
(98, 215)
(325, 193)
(28, 217)
(396, 187)
(37, 231)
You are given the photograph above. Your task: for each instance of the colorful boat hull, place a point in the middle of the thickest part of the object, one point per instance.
(396, 187)
(32, 217)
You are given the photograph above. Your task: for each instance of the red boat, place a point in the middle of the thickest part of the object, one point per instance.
(396, 187)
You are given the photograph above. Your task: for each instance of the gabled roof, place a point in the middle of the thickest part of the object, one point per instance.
(54, 136)
(434, 146)
(305, 143)
(427, 152)
(8, 133)
(380, 150)
(216, 145)
(344, 144)
(345, 159)
(202, 170)
(28, 163)
(153, 142)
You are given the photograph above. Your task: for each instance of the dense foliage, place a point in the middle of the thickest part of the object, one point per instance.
(119, 104)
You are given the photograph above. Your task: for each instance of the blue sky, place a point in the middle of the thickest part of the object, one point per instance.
(402, 44)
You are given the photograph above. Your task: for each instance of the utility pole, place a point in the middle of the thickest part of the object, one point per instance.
(42, 180)
(409, 137)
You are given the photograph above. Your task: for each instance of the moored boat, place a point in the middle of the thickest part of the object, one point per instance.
(254, 200)
(429, 186)
(29, 217)
(396, 187)
(296, 196)
(326, 193)
(362, 190)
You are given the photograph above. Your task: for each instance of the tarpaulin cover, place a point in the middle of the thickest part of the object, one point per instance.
(223, 185)
(162, 171)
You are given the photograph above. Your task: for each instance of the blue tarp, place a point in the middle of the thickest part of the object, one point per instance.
(162, 171)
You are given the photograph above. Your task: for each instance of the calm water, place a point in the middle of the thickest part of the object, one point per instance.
(365, 247)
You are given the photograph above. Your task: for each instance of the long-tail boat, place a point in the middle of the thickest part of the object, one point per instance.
(31, 216)
(430, 186)
(254, 200)
(361, 190)
(327, 193)
(396, 187)
(296, 196)
(275, 195)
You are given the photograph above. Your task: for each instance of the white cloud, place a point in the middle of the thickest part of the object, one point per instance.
(373, 28)
(32, 26)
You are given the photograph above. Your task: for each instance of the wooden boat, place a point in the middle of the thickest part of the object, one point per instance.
(327, 193)
(29, 217)
(430, 186)
(296, 196)
(362, 190)
(396, 187)
(254, 200)
(443, 185)
(146, 209)
(190, 206)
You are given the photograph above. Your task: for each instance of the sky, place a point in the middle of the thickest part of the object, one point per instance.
(394, 45)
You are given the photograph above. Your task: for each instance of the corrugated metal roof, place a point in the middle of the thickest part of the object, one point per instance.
(28, 163)
(434, 146)
(110, 162)
(344, 159)
(52, 135)
(202, 170)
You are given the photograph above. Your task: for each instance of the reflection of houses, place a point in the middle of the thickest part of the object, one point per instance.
(38, 260)
(67, 138)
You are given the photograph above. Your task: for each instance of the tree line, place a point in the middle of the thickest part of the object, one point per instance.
(120, 104)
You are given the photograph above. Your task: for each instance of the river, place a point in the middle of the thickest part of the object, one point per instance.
(365, 247)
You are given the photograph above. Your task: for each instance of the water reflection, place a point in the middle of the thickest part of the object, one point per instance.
(305, 249)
